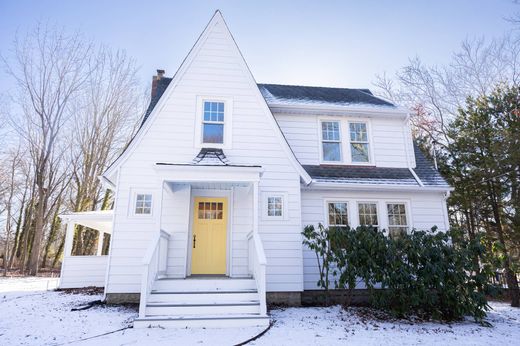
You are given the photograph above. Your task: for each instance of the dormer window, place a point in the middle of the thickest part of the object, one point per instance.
(331, 141)
(359, 142)
(213, 123)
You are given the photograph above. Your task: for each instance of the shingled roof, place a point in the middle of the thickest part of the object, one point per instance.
(297, 94)
(162, 84)
(380, 175)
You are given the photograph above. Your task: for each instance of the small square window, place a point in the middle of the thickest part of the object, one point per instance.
(143, 204)
(275, 206)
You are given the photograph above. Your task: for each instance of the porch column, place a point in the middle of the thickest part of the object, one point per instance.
(255, 206)
(100, 243)
(69, 238)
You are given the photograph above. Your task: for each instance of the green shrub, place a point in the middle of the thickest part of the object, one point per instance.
(423, 273)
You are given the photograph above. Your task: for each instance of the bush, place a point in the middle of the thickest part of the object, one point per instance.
(422, 273)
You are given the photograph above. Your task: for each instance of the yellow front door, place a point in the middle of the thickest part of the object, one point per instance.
(208, 254)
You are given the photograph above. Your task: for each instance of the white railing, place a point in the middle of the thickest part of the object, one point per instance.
(154, 264)
(257, 264)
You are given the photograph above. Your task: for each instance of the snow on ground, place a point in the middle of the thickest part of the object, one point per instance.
(31, 315)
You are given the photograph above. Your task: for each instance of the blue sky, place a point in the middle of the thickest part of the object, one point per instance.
(326, 43)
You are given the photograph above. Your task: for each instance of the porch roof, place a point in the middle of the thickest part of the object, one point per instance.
(100, 220)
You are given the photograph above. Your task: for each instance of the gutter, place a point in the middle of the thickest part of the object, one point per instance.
(371, 187)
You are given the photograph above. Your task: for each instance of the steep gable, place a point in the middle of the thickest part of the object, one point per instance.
(213, 68)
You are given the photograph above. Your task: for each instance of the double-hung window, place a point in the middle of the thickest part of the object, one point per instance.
(331, 141)
(213, 123)
(397, 220)
(368, 214)
(359, 149)
(338, 214)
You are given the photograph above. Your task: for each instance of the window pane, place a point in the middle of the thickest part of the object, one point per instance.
(358, 132)
(214, 111)
(274, 206)
(359, 152)
(368, 214)
(213, 133)
(330, 130)
(331, 152)
(338, 214)
(143, 204)
(397, 220)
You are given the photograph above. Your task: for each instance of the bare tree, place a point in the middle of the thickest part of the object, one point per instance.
(435, 93)
(104, 118)
(11, 180)
(49, 68)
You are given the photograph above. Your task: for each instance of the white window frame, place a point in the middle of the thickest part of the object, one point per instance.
(228, 121)
(349, 211)
(133, 203)
(265, 211)
(368, 142)
(340, 141)
(407, 210)
(378, 212)
(345, 151)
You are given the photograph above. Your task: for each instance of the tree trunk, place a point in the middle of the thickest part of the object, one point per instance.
(512, 282)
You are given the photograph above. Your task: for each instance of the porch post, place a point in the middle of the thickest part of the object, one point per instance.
(255, 206)
(100, 243)
(69, 238)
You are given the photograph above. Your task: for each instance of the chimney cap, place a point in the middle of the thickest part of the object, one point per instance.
(160, 73)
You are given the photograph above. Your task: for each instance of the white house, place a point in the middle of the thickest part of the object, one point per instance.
(212, 193)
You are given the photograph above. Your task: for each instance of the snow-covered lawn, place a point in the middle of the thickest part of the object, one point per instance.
(31, 315)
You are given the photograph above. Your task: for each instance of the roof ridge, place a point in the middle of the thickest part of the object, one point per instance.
(315, 86)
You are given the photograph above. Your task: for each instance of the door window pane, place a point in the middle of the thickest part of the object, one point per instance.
(211, 210)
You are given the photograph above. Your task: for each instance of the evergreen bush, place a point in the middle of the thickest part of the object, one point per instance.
(427, 273)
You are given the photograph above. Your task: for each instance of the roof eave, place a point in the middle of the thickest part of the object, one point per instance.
(313, 109)
(390, 187)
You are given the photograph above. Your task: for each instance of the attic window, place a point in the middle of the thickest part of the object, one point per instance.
(213, 122)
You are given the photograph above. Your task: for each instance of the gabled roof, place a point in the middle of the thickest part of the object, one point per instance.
(297, 94)
(169, 85)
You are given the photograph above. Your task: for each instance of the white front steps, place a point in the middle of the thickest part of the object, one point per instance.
(202, 302)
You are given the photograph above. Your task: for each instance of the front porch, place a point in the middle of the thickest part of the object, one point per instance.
(206, 265)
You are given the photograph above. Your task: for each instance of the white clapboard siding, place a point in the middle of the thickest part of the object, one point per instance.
(216, 70)
(83, 271)
(391, 140)
(426, 209)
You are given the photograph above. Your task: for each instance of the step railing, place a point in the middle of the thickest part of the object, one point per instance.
(154, 264)
(257, 264)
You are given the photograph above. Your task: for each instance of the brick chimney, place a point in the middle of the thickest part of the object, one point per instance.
(155, 81)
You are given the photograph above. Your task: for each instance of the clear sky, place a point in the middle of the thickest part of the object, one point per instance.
(325, 43)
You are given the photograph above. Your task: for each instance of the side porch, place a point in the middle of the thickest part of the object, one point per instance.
(86, 270)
